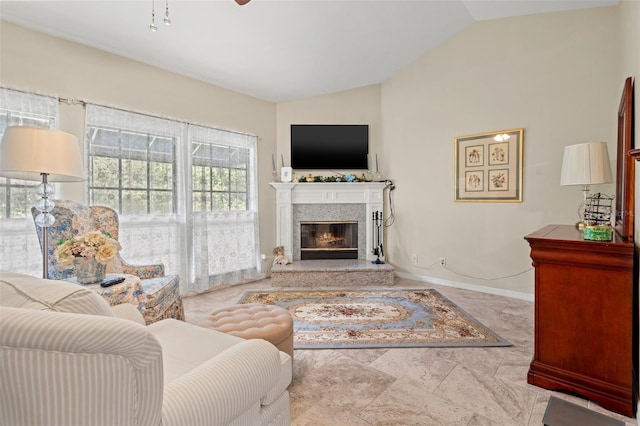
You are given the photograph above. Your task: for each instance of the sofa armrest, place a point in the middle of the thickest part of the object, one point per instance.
(224, 387)
(77, 333)
(129, 312)
(77, 357)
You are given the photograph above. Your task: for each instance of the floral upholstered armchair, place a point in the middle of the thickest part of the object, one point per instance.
(72, 218)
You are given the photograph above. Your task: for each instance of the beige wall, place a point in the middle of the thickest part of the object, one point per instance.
(36, 62)
(555, 75)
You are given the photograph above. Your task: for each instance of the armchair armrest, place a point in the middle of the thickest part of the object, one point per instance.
(223, 387)
(143, 271)
(119, 266)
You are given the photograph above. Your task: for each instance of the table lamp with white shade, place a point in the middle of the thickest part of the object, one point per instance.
(34, 153)
(585, 164)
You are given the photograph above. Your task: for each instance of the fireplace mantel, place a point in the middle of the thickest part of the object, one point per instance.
(371, 194)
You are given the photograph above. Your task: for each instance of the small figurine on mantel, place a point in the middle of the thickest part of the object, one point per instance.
(280, 258)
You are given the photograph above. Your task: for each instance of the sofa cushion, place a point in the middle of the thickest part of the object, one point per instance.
(185, 347)
(26, 291)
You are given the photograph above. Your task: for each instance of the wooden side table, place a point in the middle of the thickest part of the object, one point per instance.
(586, 333)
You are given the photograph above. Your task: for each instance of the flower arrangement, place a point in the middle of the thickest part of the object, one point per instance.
(91, 245)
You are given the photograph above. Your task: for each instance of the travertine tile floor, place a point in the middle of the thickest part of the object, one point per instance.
(417, 386)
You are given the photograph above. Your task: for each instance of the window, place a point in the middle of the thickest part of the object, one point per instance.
(186, 194)
(224, 217)
(132, 161)
(220, 177)
(131, 172)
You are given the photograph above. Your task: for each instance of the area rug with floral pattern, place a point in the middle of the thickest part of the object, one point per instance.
(326, 319)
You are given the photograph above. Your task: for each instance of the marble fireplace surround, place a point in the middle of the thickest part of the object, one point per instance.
(296, 202)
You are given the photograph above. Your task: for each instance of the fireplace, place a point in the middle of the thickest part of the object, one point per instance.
(326, 201)
(328, 240)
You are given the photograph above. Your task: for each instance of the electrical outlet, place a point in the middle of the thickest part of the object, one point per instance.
(414, 258)
(443, 261)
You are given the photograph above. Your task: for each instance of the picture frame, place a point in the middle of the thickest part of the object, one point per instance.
(488, 167)
(286, 174)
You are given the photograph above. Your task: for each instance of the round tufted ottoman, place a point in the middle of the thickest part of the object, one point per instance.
(255, 321)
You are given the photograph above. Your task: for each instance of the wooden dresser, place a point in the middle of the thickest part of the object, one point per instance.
(586, 318)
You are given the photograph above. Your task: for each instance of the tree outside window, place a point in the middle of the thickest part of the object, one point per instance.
(133, 173)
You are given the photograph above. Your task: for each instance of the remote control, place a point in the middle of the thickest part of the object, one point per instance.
(114, 281)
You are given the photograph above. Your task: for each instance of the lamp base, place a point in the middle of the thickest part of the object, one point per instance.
(45, 219)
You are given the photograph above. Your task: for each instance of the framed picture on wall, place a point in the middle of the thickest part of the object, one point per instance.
(488, 167)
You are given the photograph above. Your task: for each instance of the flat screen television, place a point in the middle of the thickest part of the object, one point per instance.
(329, 146)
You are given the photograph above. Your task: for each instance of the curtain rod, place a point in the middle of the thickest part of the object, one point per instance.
(72, 101)
(68, 101)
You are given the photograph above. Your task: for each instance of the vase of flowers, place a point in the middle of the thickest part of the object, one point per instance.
(88, 271)
(88, 254)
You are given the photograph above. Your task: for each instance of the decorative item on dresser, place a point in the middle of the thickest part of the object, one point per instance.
(586, 298)
(585, 164)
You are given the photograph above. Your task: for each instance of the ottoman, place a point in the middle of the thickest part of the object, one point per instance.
(255, 321)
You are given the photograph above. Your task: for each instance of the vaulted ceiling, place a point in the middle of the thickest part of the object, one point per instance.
(273, 50)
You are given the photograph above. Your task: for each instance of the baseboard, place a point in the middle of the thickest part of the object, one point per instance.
(474, 287)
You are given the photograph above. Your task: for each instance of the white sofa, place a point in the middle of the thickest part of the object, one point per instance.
(67, 358)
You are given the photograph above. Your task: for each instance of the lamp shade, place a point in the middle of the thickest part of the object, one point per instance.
(27, 152)
(586, 164)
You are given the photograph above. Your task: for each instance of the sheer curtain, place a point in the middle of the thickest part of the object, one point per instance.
(224, 217)
(134, 167)
(186, 195)
(19, 246)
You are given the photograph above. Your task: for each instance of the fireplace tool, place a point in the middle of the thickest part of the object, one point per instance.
(377, 235)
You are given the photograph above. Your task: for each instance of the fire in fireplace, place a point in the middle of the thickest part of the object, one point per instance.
(328, 240)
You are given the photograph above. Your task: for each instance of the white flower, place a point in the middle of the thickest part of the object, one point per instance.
(90, 245)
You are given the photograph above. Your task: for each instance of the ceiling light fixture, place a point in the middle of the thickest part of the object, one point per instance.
(153, 27)
(167, 21)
